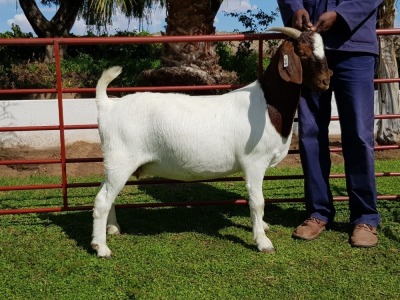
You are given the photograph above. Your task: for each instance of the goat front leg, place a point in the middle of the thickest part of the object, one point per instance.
(257, 204)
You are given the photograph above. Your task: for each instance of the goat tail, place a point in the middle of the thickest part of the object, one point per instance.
(105, 79)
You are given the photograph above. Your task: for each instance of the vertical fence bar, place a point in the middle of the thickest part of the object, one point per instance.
(260, 57)
(61, 123)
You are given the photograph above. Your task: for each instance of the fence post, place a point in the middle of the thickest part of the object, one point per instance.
(59, 87)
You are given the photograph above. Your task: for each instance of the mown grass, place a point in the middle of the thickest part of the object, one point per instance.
(194, 252)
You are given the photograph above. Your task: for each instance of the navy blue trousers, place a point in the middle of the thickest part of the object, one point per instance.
(352, 84)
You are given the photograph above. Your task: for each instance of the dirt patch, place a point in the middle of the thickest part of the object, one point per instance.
(75, 150)
(93, 150)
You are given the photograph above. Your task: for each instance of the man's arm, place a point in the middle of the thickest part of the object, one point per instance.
(355, 12)
(288, 9)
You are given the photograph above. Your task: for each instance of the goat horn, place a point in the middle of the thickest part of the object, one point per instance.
(292, 32)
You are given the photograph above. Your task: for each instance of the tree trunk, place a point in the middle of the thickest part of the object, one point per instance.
(190, 63)
(59, 26)
(388, 131)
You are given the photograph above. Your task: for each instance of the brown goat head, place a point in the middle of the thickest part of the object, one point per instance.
(299, 61)
(310, 49)
(289, 63)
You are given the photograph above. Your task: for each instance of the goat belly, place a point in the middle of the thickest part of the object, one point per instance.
(185, 173)
(191, 160)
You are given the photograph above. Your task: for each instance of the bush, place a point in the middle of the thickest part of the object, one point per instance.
(81, 66)
(244, 61)
(34, 75)
(11, 55)
(87, 63)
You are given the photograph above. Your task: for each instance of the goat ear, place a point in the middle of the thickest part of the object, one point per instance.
(289, 64)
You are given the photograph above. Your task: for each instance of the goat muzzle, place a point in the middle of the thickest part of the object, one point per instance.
(322, 85)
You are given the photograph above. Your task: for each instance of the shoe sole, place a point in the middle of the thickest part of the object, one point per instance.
(299, 237)
(363, 245)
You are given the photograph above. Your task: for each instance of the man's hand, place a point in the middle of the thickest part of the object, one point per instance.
(301, 20)
(325, 21)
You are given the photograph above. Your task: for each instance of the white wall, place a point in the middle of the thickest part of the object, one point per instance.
(45, 112)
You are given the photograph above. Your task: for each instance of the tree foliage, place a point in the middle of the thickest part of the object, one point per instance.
(95, 12)
(254, 22)
(244, 60)
(99, 13)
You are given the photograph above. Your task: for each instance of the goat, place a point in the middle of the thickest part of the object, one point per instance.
(193, 138)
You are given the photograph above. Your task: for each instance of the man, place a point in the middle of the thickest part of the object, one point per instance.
(348, 31)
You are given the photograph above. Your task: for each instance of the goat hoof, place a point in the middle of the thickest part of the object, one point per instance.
(102, 252)
(268, 250)
(106, 255)
(113, 229)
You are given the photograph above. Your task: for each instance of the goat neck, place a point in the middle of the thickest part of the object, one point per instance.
(282, 94)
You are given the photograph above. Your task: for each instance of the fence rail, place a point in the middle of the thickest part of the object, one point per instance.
(62, 127)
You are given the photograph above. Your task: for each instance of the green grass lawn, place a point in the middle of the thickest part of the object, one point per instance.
(194, 252)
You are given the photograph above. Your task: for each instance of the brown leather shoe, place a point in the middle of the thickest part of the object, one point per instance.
(364, 235)
(310, 229)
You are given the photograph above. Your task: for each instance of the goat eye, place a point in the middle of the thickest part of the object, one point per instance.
(304, 51)
(301, 54)
(304, 56)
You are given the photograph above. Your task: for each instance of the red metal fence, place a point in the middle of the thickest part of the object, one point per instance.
(64, 185)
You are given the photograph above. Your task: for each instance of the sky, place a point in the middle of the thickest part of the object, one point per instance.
(11, 13)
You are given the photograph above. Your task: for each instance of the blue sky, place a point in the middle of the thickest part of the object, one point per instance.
(10, 13)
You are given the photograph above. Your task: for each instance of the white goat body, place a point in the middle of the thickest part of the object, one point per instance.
(185, 138)
(188, 138)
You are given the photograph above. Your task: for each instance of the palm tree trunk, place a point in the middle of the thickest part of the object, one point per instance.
(59, 26)
(190, 62)
(388, 131)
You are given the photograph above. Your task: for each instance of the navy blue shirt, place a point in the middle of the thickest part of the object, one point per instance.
(354, 29)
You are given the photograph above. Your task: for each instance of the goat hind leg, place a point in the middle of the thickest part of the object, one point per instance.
(101, 209)
(112, 224)
(104, 211)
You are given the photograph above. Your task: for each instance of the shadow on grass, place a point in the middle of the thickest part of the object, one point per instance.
(208, 220)
(150, 221)
(76, 225)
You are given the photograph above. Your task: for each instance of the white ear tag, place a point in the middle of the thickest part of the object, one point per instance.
(285, 61)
